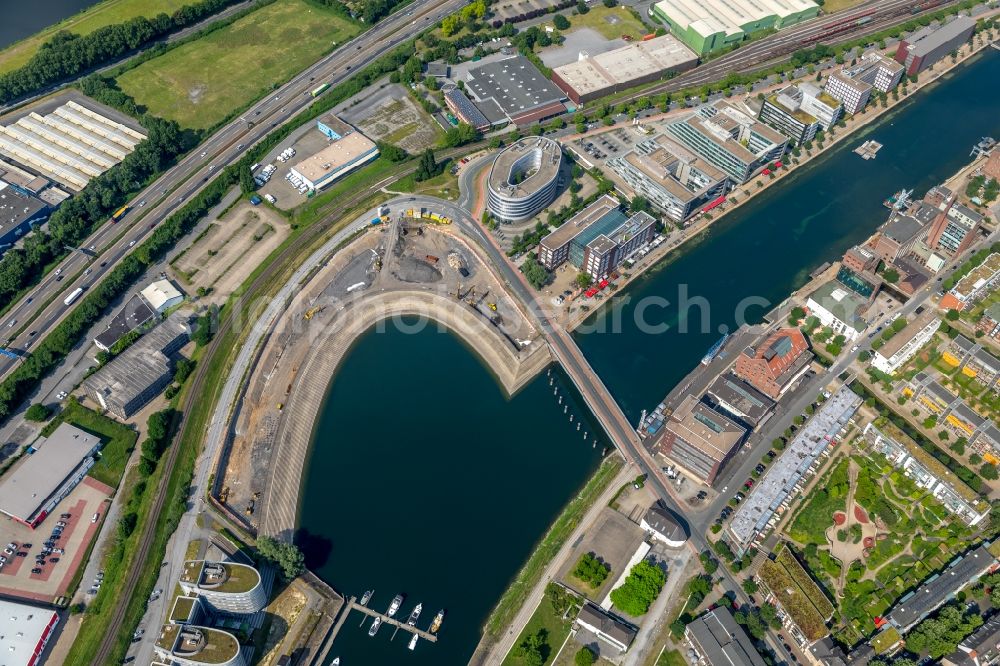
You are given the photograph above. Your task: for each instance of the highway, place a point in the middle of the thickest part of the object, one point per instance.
(33, 316)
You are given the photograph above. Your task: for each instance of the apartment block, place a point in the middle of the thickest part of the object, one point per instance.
(853, 86)
(904, 345)
(800, 111)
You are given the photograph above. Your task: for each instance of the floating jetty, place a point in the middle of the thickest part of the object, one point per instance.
(869, 149)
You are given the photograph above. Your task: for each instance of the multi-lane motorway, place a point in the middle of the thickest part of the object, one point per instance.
(43, 306)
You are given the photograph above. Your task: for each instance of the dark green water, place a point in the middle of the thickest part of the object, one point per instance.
(19, 22)
(768, 247)
(425, 480)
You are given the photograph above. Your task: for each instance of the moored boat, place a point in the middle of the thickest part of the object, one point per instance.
(375, 625)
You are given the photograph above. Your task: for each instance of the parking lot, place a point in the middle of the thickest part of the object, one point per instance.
(54, 550)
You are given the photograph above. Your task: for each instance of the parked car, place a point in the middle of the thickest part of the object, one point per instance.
(54, 560)
(36, 571)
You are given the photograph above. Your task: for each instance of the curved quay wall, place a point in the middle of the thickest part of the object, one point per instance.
(512, 368)
(503, 200)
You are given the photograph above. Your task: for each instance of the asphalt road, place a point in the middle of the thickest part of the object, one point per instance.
(111, 242)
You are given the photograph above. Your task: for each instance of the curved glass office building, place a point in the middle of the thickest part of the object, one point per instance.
(524, 178)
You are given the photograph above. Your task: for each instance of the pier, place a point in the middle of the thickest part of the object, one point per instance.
(868, 150)
(399, 624)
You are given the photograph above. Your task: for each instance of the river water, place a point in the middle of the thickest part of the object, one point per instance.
(19, 21)
(425, 480)
(766, 249)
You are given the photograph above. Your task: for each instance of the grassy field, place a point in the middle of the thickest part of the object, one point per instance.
(118, 440)
(671, 658)
(546, 619)
(611, 22)
(444, 186)
(87, 21)
(201, 83)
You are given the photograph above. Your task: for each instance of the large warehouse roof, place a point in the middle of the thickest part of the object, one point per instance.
(25, 488)
(729, 16)
(515, 84)
(337, 155)
(26, 630)
(634, 62)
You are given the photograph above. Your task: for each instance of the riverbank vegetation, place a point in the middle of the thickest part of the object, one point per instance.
(529, 575)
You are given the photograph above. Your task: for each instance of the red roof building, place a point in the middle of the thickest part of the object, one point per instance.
(775, 362)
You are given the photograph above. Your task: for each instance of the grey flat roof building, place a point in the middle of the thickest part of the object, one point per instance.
(740, 399)
(135, 313)
(29, 490)
(717, 638)
(517, 87)
(19, 210)
(926, 41)
(940, 587)
(134, 377)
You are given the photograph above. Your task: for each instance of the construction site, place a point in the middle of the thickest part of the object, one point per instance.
(411, 268)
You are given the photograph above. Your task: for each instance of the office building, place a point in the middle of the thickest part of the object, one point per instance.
(344, 154)
(227, 587)
(138, 374)
(719, 641)
(663, 526)
(190, 645)
(782, 482)
(26, 631)
(896, 237)
(53, 467)
(853, 86)
(730, 139)
(800, 111)
(672, 178)
(523, 179)
(904, 345)
(709, 25)
(593, 77)
(974, 286)
(954, 231)
(597, 239)
(940, 587)
(609, 249)
(699, 439)
(71, 145)
(926, 471)
(774, 364)
(860, 259)
(839, 308)
(605, 627)
(737, 398)
(928, 45)
(514, 89)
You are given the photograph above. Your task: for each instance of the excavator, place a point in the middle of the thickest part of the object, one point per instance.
(313, 311)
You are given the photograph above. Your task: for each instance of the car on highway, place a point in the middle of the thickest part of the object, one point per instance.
(131, 244)
(142, 203)
(11, 323)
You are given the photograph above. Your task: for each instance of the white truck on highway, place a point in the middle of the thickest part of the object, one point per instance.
(73, 296)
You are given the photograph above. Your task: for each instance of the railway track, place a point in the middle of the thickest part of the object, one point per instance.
(834, 29)
(199, 388)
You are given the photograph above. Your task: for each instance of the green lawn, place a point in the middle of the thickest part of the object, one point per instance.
(444, 186)
(545, 618)
(611, 22)
(671, 658)
(118, 440)
(201, 83)
(87, 21)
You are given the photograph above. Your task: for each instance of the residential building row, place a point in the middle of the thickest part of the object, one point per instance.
(852, 86)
